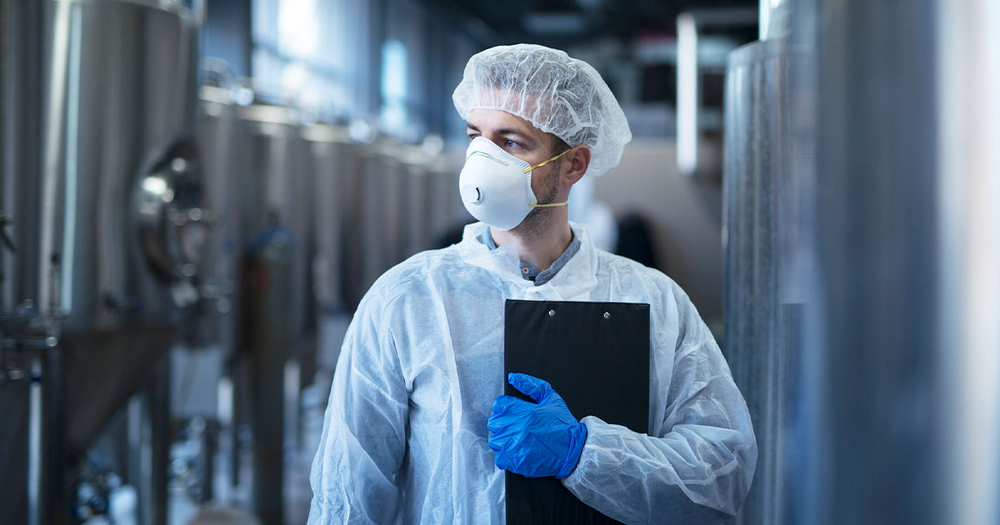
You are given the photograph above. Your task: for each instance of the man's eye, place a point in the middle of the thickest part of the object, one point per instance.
(510, 144)
(473, 135)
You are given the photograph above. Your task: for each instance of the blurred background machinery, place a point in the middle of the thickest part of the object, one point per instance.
(195, 195)
(102, 188)
(184, 259)
(862, 242)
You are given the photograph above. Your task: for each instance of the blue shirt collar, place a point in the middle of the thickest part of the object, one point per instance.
(528, 271)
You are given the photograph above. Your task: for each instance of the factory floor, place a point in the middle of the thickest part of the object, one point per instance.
(231, 504)
(195, 381)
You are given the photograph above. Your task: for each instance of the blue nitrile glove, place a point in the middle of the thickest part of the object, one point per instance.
(535, 440)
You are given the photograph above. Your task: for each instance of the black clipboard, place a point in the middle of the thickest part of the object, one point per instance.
(596, 356)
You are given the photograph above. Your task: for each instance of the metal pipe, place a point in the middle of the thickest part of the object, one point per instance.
(292, 391)
(687, 93)
(53, 502)
(72, 143)
(765, 19)
(50, 174)
(227, 429)
(5, 73)
(35, 443)
(135, 459)
(159, 442)
(968, 52)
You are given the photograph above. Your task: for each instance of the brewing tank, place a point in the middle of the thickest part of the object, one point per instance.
(445, 211)
(352, 185)
(112, 223)
(380, 225)
(416, 233)
(275, 189)
(219, 264)
(276, 225)
(862, 256)
(331, 150)
(108, 224)
(761, 307)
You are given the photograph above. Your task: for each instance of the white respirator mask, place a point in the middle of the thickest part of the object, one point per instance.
(496, 186)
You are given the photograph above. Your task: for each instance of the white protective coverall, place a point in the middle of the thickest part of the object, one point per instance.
(405, 437)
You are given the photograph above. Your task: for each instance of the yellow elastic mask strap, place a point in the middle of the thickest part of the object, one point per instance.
(529, 168)
(550, 205)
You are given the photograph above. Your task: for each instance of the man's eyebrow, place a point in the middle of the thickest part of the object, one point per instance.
(503, 131)
(512, 131)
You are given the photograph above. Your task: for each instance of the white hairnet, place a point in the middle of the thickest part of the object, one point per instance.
(556, 93)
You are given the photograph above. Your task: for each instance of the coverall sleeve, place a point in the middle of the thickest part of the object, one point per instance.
(696, 469)
(354, 474)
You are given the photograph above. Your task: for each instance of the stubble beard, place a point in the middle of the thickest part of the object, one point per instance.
(538, 220)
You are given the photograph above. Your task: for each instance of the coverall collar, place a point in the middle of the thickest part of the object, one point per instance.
(573, 282)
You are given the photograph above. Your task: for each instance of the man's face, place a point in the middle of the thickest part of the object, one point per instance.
(522, 140)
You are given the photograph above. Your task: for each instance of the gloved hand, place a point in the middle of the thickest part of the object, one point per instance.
(535, 439)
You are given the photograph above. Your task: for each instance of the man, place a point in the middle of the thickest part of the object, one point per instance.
(417, 431)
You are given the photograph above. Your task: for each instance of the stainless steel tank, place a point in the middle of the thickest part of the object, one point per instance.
(331, 150)
(446, 213)
(761, 309)
(106, 197)
(355, 170)
(414, 231)
(381, 215)
(275, 185)
(19, 54)
(905, 236)
(863, 262)
(432, 206)
(408, 200)
(219, 264)
(277, 227)
(399, 199)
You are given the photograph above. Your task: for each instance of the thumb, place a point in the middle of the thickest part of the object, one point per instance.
(536, 389)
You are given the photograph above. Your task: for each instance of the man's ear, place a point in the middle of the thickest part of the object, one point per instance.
(575, 164)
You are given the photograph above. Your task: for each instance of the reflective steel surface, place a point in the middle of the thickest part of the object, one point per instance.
(99, 127)
(862, 262)
(761, 309)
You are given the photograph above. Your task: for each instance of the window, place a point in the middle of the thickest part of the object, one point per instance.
(394, 89)
(311, 53)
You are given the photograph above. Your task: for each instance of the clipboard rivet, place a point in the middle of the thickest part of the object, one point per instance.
(607, 315)
(552, 313)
